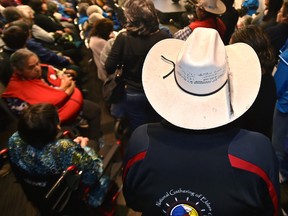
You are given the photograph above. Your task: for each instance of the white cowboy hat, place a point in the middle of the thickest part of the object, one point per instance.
(212, 6)
(211, 84)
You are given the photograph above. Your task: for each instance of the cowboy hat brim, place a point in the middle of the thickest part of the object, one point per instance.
(220, 8)
(201, 112)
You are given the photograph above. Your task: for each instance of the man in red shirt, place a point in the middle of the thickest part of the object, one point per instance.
(33, 83)
(206, 15)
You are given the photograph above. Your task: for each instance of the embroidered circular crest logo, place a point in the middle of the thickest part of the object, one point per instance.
(183, 210)
(182, 202)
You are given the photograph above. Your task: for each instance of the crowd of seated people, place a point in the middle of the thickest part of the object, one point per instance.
(34, 30)
(41, 56)
(33, 82)
(37, 137)
(56, 32)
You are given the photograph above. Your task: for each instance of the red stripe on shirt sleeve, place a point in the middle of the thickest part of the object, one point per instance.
(241, 164)
(132, 161)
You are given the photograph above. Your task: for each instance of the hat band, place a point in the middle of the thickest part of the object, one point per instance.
(173, 71)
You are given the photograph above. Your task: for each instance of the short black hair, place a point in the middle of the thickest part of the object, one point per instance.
(37, 124)
(15, 37)
(102, 28)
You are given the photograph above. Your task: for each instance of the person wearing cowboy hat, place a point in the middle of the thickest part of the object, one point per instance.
(195, 162)
(206, 15)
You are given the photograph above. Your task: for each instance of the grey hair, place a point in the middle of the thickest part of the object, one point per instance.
(18, 59)
(141, 17)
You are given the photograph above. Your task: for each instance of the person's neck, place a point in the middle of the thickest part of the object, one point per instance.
(207, 16)
(231, 126)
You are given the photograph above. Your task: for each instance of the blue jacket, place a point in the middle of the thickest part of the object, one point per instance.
(251, 5)
(45, 55)
(173, 171)
(281, 80)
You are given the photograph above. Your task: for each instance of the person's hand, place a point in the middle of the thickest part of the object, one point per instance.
(59, 32)
(70, 20)
(71, 88)
(68, 31)
(112, 35)
(82, 141)
(66, 82)
(71, 72)
(69, 59)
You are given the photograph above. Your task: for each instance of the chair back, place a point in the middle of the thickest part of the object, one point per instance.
(3, 157)
(60, 193)
(52, 194)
